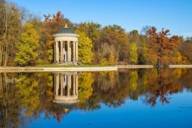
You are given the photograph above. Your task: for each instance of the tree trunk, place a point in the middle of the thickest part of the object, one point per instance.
(1, 55)
(5, 56)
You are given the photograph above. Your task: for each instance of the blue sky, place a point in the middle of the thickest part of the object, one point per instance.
(130, 14)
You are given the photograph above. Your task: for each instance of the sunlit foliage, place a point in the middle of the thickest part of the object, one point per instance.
(27, 47)
(85, 46)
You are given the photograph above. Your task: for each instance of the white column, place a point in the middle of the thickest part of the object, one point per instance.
(56, 52)
(74, 53)
(76, 44)
(70, 52)
(61, 52)
(68, 56)
(64, 49)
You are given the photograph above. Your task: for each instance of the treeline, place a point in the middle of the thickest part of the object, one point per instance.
(27, 40)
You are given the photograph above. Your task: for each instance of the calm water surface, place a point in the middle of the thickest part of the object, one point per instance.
(131, 98)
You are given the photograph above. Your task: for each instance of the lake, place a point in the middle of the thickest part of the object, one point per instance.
(127, 98)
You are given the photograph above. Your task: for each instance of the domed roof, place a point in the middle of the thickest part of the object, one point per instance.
(66, 30)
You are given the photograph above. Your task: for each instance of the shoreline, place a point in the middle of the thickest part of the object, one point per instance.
(73, 69)
(84, 68)
(180, 66)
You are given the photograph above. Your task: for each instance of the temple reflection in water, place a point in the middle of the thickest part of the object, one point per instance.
(66, 88)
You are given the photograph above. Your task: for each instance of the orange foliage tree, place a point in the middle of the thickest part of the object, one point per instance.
(50, 26)
(163, 47)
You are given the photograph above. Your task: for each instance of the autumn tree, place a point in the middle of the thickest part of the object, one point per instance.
(133, 55)
(85, 46)
(107, 55)
(143, 51)
(162, 46)
(140, 41)
(10, 24)
(134, 36)
(93, 31)
(185, 50)
(50, 26)
(27, 48)
(112, 44)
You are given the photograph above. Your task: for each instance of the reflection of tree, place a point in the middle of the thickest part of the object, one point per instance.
(9, 104)
(164, 84)
(133, 84)
(28, 95)
(153, 85)
(35, 92)
(186, 79)
(85, 89)
(108, 90)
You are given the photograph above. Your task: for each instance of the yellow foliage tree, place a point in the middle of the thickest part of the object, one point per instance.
(85, 48)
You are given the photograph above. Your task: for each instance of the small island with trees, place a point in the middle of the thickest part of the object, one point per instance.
(28, 41)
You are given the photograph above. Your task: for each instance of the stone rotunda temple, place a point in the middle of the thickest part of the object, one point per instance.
(66, 46)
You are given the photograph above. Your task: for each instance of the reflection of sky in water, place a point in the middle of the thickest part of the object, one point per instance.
(177, 114)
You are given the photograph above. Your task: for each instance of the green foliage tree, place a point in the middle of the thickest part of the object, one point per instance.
(27, 48)
(85, 48)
